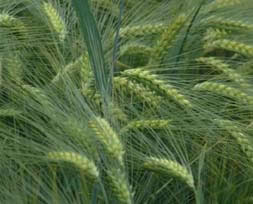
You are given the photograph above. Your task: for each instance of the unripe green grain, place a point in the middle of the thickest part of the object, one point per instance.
(119, 186)
(10, 21)
(108, 138)
(165, 41)
(142, 30)
(234, 46)
(225, 90)
(169, 168)
(214, 34)
(229, 24)
(138, 90)
(241, 138)
(56, 21)
(135, 48)
(152, 80)
(143, 124)
(86, 165)
(219, 65)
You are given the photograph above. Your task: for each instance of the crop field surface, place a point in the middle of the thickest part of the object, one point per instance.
(126, 102)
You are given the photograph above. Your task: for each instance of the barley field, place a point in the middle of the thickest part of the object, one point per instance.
(126, 101)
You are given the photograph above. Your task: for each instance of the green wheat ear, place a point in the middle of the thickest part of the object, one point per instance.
(144, 94)
(167, 37)
(119, 186)
(231, 45)
(146, 124)
(154, 81)
(55, 19)
(142, 30)
(241, 138)
(230, 24)
(9, 21)
(225, 90)
(215, 34)
(221, 66)
(108, 138)
(225, 3)
(169, 168)
(86, 165)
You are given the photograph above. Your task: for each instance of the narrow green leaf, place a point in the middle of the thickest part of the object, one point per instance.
(93, 41)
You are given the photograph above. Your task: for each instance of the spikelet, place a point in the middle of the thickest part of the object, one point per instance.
(165, 41)
(142, 30)
(15, 24)
(108, 138)
(153, 81)
(55, 19)
(86, 165)
(223, 3)
(169, 168)
(229, 24)
(240, 137)
(143, 124)
(223, 67)
(93, 96)
(228, 2)
(214, 34)
(135, 48)
(226, 91)
(118, 113)
(120, 186)
(234, 46)
(139, 91)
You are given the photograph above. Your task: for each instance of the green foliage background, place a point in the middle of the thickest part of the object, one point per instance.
(109, 101)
